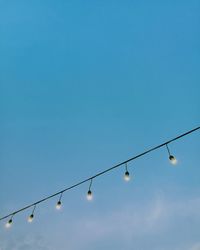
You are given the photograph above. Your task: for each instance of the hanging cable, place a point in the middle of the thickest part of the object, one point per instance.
(101, 173)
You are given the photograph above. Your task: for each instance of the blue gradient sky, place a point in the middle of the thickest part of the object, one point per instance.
(84, 85)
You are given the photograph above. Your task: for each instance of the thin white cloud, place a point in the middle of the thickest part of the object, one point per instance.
(157, 218)
(160, 219)
(161, 222)
(196, 246)
(24, 243)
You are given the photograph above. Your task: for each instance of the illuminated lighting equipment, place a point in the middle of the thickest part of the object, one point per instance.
(31, 217)
(172, 159)
(126, 174)
(89, 193)
(10, 222)
(59, 203)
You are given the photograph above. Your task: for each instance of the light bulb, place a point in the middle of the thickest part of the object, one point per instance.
(9, 223)
(127, 176)
(173, 160)
(30, 218)
(89, 195)
(58, 205)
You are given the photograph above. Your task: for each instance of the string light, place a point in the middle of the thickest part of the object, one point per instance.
(9, 222)
(89, 193)
(59, 203)
(172, 159)
(126, 174)
(31, 216)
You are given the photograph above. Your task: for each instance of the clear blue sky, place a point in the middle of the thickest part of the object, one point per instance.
(84, 85)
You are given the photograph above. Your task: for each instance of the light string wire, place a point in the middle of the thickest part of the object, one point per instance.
(90, 184)
(168, 149)
(126, 167)
(100, 173)
(61, 194)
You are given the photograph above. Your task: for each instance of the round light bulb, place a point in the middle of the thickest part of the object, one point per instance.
(58, 205)
(89, 195)
(9, 223)
(173, 160)
(30, 218)
(127, 176)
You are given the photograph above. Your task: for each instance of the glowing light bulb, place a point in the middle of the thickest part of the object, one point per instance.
(127, 176)
(58, 205)
(9, 223)
(173, 160)
(30, 218)
(89, 195)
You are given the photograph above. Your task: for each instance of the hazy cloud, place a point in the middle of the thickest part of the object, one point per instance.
(25, 243)
(160, 224)
(196, 246)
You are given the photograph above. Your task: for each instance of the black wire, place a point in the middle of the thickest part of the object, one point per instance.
(100, 173)
(90, 184)
(60, 196)
(34, 209)
(126, 167)
(168, 149)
